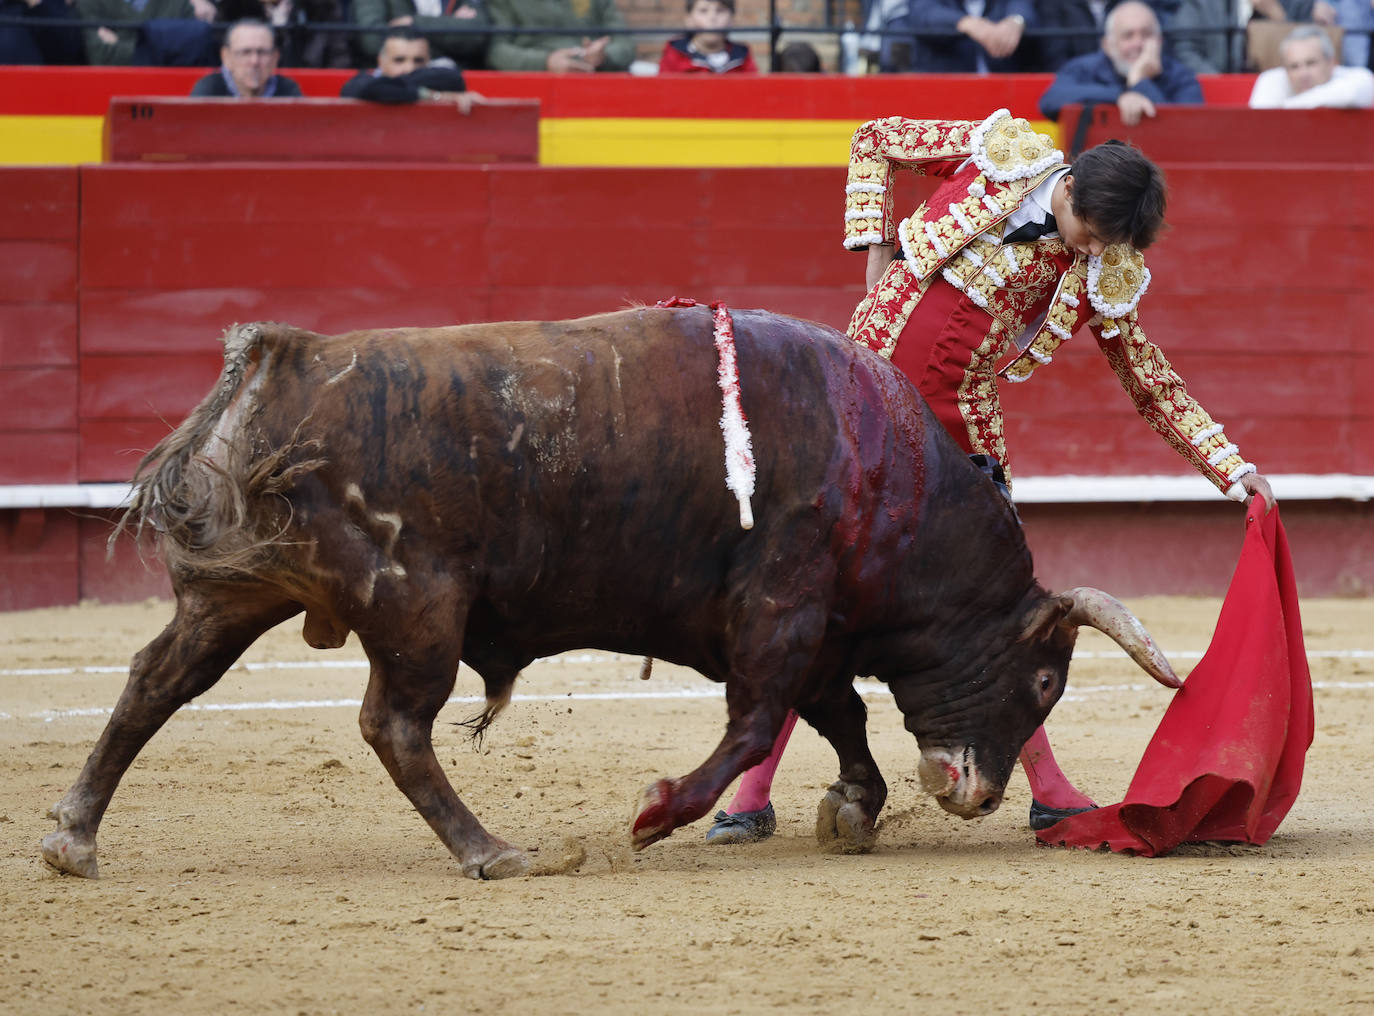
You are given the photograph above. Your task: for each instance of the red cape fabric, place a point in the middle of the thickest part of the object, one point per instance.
(1226, 762)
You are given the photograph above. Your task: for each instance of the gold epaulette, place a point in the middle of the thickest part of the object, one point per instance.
(1008, 148)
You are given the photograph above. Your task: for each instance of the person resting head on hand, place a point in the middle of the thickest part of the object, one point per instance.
(1309, 76)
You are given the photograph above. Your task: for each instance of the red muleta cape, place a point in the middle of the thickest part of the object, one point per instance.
(1226, 762)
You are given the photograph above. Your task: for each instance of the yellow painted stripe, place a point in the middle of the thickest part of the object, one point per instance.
(642, 141)
(49, 140)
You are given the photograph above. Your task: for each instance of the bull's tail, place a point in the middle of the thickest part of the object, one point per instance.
(198, 504)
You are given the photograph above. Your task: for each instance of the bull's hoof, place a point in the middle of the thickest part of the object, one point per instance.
(1042, 816)
(743, 826)
(654, 815)
(842, 825)
(503, 862)
(71, 854)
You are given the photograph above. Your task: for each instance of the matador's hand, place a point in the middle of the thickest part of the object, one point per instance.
(1256, 485)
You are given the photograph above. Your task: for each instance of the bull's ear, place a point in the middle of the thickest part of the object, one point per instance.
(1044, 616)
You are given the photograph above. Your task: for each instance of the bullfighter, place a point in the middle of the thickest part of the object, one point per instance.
(1012, 254)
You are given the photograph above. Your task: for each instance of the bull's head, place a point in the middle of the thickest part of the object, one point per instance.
(971, 725)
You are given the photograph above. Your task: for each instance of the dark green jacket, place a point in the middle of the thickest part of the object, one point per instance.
(580, 19)
(463, 47)
(122, 52)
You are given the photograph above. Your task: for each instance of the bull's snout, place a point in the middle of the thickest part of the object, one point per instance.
(956, 783)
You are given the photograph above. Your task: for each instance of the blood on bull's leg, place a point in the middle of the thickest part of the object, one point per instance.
(212, 627)
(776, 649)
(407, 688)
(848, 812)
(669, 804)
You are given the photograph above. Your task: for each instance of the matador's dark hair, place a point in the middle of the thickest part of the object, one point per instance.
(1120, 193)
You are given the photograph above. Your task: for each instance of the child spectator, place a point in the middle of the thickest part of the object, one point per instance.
(799, 58)
(403, 75)
(706, 47)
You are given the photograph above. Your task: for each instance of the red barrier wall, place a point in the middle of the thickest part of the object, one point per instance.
(118, 279)
(1267, 339)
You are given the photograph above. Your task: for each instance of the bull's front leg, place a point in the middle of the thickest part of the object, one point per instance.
(848, 813)
(666, 805)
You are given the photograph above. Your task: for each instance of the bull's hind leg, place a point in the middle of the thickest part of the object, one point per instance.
(847, 815)
(210, 630)
(407, 689)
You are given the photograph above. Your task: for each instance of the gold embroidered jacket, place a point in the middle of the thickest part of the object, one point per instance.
(957, 235)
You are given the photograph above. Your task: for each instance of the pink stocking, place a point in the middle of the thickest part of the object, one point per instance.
(756, 784)
(1048, 783)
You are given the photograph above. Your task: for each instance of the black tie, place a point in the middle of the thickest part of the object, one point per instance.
(1032, 231)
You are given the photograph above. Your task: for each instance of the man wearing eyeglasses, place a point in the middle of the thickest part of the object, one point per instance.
(249, 57)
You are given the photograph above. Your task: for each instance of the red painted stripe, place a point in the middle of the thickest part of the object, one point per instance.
(86, 91)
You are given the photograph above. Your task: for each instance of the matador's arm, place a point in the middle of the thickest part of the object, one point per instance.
(882, 147)
(1161, 397)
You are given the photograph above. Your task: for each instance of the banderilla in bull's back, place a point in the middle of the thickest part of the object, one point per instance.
(498, 493)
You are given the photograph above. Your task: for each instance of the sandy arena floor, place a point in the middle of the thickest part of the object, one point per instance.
(258, 859)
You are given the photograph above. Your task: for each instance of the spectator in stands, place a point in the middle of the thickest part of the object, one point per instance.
(706, 46)
(1201, 39)
(1131, 70)
(799, 58)
(1086, 17)
(248, 67)
(1357, 18)
(300, 45)
(576, 49)
(1310, 76)
(38, 42)
(453, 27)
(173, 33)
(403, 75)
(969, 36)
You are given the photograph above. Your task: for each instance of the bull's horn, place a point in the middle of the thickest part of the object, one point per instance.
(1109, 615)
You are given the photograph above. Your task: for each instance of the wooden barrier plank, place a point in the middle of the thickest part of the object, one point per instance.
(38, 559)
(194, 320)
(38, 457)
(160, 129)
(110, 450)
(37, 398)
(126, 577)
(1248, 255)
(304, 226)
(700, 225)
(137, 386)
(38, 203)
(1262, 137)
(37, 334)
(37, 271)
(1279, 194)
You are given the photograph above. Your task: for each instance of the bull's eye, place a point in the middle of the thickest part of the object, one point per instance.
(1046, 682)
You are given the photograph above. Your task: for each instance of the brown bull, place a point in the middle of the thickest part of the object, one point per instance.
(498, 493)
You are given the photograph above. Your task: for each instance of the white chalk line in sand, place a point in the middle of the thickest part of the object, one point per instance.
(1316, 654)
(712, 692)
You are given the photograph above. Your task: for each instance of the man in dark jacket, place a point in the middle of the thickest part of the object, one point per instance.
(1132, 70)
(970, 36)
(403, 75)
(249, 56)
